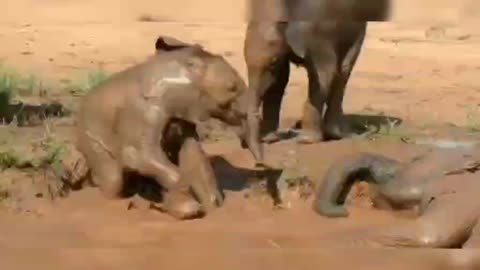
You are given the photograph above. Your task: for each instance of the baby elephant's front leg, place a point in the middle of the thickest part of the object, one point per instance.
(149, 159)
(195, 169)
(155, 163)
(177, 199)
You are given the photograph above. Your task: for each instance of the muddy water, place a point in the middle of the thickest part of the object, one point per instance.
(245, 232)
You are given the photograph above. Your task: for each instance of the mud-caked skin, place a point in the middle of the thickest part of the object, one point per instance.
(183, 147)
(306, 33)
(122, 122)
(448, 213)
(330, 196)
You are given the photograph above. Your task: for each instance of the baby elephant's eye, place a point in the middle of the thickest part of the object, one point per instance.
(225, 106)
(232, 88)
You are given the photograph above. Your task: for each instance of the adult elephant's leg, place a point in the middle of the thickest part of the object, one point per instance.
(264, 46)
(335, 125)
(272, 101)
(321, 68)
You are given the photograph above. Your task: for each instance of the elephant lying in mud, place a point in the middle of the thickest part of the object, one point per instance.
(143, 120)
(325, 37)
(441, 183)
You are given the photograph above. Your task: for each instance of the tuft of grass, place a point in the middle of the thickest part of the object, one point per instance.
(473, 119)
(390, 129)
(8, 159)
(9, 82)
(51, 156)
(12, 83)
(29, 85)
(54, 150)
(92, 80)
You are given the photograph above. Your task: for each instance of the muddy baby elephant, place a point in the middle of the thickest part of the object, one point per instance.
(441, 183)
(316, 35)
(143, 120)
(182, 147)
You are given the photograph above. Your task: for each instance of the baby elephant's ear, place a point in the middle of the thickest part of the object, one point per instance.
(166, 43)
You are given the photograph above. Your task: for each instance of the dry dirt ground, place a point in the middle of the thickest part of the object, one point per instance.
(421, 72)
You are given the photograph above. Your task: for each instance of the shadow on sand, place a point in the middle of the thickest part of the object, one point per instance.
(229, 177)
(237, 179)
(31, 115)
(359, 123)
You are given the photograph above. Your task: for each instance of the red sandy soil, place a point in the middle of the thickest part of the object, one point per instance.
(426, 80)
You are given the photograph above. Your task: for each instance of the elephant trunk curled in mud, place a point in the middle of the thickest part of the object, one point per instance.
(143, 118)
(438, 182)
(325, 37)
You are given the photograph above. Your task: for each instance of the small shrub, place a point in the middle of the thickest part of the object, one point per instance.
(29, 85)
(12, 83)
(96, 77)
(8, 159)
(9, 82)
(51, 156)
(473, 119)
(54, 150)
(93, 79)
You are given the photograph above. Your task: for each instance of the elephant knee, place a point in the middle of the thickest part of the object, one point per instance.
(435, 236)
(111, 189)
(430, 239)
(110, 183)
(403, 196)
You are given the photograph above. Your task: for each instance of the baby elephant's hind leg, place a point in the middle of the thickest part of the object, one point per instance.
(195, 168)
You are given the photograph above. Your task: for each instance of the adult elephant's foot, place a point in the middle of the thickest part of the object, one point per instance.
(338, 130)
(181, 205)
(271, 137)
(309, 137)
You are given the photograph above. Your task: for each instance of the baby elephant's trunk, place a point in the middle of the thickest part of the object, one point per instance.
(247, 131)
(340, 177)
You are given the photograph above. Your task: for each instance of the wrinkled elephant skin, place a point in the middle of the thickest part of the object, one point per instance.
(122, 122)
(325, 37)
(442, 183)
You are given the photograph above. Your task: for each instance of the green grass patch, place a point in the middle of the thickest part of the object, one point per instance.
(29, 85)
(49, 155)
(473, 119)
(9, 82)
(14, 83)
(8, 159)
(92, 80)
